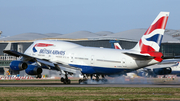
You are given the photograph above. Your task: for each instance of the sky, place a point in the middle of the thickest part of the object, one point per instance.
(68, 16)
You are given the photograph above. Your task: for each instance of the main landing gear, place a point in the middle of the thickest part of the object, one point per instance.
(66, 80)
(99, 79)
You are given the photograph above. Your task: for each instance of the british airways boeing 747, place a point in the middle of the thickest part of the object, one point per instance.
(91, 61)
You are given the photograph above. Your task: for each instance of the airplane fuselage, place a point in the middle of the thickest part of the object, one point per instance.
(90, 59)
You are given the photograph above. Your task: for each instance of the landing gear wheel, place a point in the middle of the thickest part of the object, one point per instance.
(80, 80)
(67, 81)
(62, 79)
(84, 81)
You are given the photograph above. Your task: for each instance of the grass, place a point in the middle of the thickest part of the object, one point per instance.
(84, 93)
(87, 93)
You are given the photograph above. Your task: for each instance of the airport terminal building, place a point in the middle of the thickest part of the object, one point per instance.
(170, 46)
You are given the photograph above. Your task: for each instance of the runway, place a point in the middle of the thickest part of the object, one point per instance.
(136, 82)
(84, 85)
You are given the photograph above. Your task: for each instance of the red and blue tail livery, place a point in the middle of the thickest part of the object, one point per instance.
(151, 40)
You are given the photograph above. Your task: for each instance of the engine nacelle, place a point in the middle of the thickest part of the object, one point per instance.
(18, 65)
(33, 70)
(162, 71)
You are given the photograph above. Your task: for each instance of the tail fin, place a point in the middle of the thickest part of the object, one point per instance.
(117, 46)
(151, 40)
(177, 64)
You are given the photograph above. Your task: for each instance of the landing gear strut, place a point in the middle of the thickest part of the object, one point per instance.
(66, 80)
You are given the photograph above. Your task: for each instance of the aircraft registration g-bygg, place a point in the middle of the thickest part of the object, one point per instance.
(92, 61)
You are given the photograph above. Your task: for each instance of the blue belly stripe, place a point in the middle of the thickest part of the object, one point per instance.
(100, 70)
(175, 72)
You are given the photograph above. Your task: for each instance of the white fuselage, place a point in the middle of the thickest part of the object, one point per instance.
(90, 59)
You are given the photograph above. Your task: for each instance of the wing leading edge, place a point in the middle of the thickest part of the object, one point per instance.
(44, 63)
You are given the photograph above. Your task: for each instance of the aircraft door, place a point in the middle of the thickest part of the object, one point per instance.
(92, 59)
(123, 62)
(72, 58)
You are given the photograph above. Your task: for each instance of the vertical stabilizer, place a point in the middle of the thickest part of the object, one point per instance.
(151, 40)
(117, 46)
(8, 47)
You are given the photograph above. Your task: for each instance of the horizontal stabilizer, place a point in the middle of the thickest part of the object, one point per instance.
(139, 56)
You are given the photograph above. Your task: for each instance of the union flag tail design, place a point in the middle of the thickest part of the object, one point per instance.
(151, 40)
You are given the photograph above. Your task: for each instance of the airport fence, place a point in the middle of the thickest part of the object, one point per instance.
(8, 58)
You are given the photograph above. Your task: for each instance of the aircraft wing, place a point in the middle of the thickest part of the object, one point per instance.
(11, 52)
(44, 63)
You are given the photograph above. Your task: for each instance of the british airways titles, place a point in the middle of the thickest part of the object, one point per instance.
(54, 52)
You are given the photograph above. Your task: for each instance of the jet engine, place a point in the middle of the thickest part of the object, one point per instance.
(162, 71)
(18, 65)
(33, 70)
